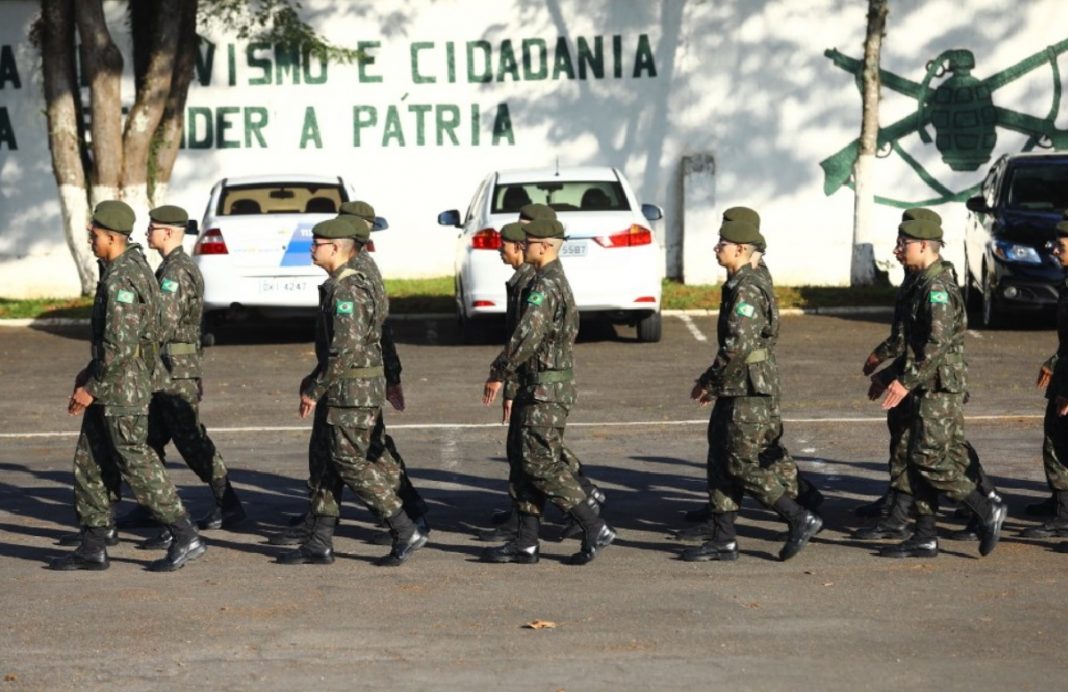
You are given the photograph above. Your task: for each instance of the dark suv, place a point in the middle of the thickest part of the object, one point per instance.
(1007, 241)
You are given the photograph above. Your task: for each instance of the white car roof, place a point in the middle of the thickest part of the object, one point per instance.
(282, 178)
(581, 173)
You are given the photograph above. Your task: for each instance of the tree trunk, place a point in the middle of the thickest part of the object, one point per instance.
(169, 133)
(102, 63)
(64, 137)
(862, 267)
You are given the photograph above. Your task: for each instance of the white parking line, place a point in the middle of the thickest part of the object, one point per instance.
(693, 328)
(470, 426)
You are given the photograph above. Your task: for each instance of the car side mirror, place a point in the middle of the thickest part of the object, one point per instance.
(977, 204)
(450, 218)
(380, 224)
(652, 212)
(191, 227)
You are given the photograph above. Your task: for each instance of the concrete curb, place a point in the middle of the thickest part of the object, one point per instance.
(840, 310)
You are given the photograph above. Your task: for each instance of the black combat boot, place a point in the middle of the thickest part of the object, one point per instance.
(523, 549)
(894, 523)
(701, 531)
(91, 554)
(597, 534)
(227, 512)
(407, 538)
(804, 524)
(991, 513)
(1055, 527)
(111, 537)
(808, 495)
(723, 545)
(185, 547)
(503, 531)
(703, 514)
(873, 509)
(922, 543)
(161, 541)
(1045, 508)
(137, 518)
(318, 549)
(572, 529)
(295, 534)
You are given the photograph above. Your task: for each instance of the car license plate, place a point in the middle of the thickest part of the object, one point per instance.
(283, 285)
(573, 248)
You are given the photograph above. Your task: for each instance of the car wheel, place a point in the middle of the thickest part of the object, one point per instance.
(649, 328)
(991, 316)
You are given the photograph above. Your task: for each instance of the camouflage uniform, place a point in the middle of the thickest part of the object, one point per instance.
(538, 359)
(174, 414)
(746, 383)
(349, 385)
(1054, 427)
(113, 443)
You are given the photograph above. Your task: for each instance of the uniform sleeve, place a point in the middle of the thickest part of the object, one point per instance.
(176, 291)
(534, 324)
(746, 322)
(390, 360)
(351, 313)
(121, 339)
(940, 314)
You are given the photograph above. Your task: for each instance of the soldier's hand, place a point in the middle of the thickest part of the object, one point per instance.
(1062, 405)
(876, 389)
(1044, 376)
(395, 396)
(870, 364)
(79, 401)
(506, 410)
(895, 394)
(81, 378)
(307, 405)
(490, 390)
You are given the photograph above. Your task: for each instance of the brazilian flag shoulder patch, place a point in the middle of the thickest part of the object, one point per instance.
(344, 307)
(938, 297)
(169, 286)
(744, 309)
(536, 298)
(124, 296)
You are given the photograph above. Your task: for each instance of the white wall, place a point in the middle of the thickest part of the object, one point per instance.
(746, 82)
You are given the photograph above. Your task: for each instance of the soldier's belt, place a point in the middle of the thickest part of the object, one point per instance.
(550, 376)
(178, 348)
(363, 373)
(756, 356)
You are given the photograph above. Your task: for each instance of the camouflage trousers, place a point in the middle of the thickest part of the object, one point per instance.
(1055, 447)
(348, 435)
(112, 449)
(938, 457)
(174, 416)
(538, 468)
(899, 423)
(739, 430)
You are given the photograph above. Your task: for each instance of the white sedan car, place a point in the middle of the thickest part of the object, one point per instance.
(254, 243)
(612, 258)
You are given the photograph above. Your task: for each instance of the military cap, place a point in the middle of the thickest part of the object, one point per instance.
(169, 215)
(529, 212)
(544, 228)
(361, 227)
(115, 216)
(742, 214)
(337, 228)
(1062, 229)
(921, 214)
(362, 210)
(920, 229)
(760, 244)
(741, 232)
(513, 232)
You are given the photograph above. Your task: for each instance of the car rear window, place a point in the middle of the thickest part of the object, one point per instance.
(281, 198)
(561, 195)
(1039, 187)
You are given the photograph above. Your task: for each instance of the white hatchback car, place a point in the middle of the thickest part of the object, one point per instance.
(255, 240)
(612, 258)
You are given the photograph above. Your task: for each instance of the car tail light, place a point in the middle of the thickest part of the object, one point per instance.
(211, 243)
(482, 304)
(635, 235)
(645, 299)
(486, 239)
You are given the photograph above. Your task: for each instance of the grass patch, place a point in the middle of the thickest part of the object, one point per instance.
(414, 296)
(677, 296)
(45, 307)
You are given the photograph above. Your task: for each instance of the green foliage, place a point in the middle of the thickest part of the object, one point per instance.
(271, 21)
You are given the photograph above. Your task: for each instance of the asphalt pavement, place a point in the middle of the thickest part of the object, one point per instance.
(835, 617)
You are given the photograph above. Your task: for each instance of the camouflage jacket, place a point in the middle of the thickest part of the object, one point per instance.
(747, 329)
(348, 335)
(539, 354)
(1058, 363)
(125, 333)
(515, 289)
(181, 289)
(390, 360)
(893, 346)
(933, 332)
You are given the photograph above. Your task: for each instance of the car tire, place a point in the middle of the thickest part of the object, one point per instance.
(650, 328)
(989, 316)
(209, 329)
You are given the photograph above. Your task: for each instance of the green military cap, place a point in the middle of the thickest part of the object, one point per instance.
(529, 212)
(337, 228)
(760, 244)
(115, 216)
(169, 215)
(513, 232)
(742, 214)
(1062, 229)
(361, 209)
(920, 229)
(361, 228)
(921, 214)
(544, 228)
(741, 232)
